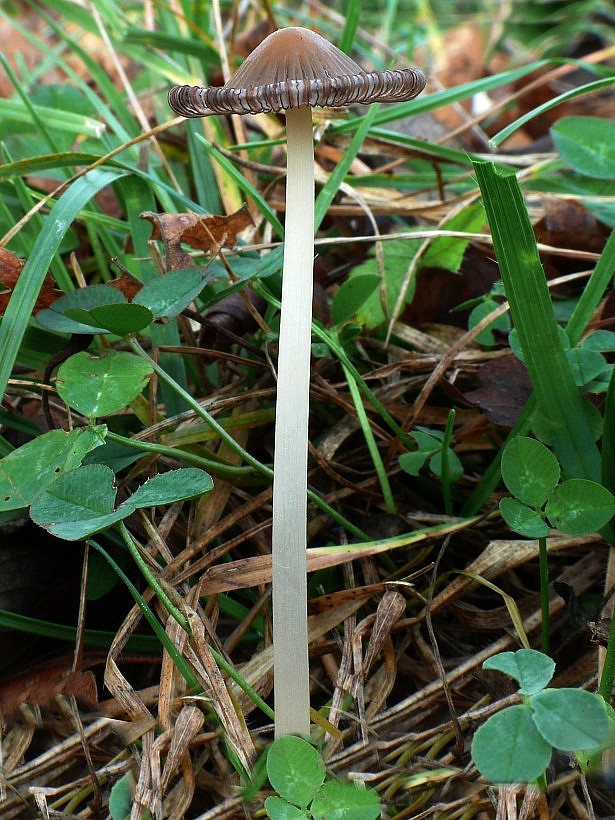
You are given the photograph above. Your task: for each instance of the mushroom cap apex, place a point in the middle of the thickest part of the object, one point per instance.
(292, 53)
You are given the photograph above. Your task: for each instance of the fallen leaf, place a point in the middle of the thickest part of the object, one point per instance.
(203, 233)
(127, 284)
(39, 687)
(506, 388)
(11, 267)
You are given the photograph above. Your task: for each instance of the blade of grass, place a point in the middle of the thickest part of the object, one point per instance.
(509, 601)
(589, 88)
(330, 339)
(608, 669)
(558, 399)
(64, 632)
(33, 114)
(446, 476)
(242, 183)
(608, 479)
(26, 290)
(167, 43)
(332, 185)
(151, 579)
(349, 32)
(76, 124)
(585, 308)
(593, 292)
(152, 620)
(368, 434)
(229, 472)
(429, 102)
(207, 194)
(168, 644)
(108, 102)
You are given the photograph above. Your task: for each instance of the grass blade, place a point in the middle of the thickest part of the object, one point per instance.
(531, 309)
(352, 14)
(330, 189)
(24, 296)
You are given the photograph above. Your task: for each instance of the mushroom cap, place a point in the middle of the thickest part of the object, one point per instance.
(291, 68)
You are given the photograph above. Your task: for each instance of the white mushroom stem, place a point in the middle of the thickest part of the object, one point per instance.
(289, 535)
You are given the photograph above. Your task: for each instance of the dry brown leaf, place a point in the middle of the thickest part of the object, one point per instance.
(39, 687)
(127, 284)
(502, 555)
(505, 389)
(332, 600)
(258, 671)
(391, 607)
(203, 233)
(231, 717)
(251, 572)
(188, 724)
(11, 267)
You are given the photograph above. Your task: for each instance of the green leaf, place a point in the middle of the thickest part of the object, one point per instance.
(587, 144)
(531, 669)
(372, 313)
(278, 809)
(120, 799)
(593, 760)
(346, 801)
(570, 719)
(586, 365)
(295, 769)
(166, 296)
(529, 470)
(502, 323)
(100, 384)
(121, 319)
(55, 318)
(579, 506)
(455, 467)
(169, 487)
(523, 519)
(81, 503)
(556, 395)
(508, 748)
(448, 251)
(78, 504)
(25, 472)
(412, 463)
(352, 296)
(601, 340)
(428, 440)
(23, 299)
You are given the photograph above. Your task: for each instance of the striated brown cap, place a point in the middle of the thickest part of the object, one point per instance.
(291, 68)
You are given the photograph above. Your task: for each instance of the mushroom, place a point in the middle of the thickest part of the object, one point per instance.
(292, 70)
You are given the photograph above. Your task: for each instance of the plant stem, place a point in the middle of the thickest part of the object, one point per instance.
(608, 669)
(446, 473)
(152, 620)
(545, 627)
(152, 580)
(383, 478)
(289, 534)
